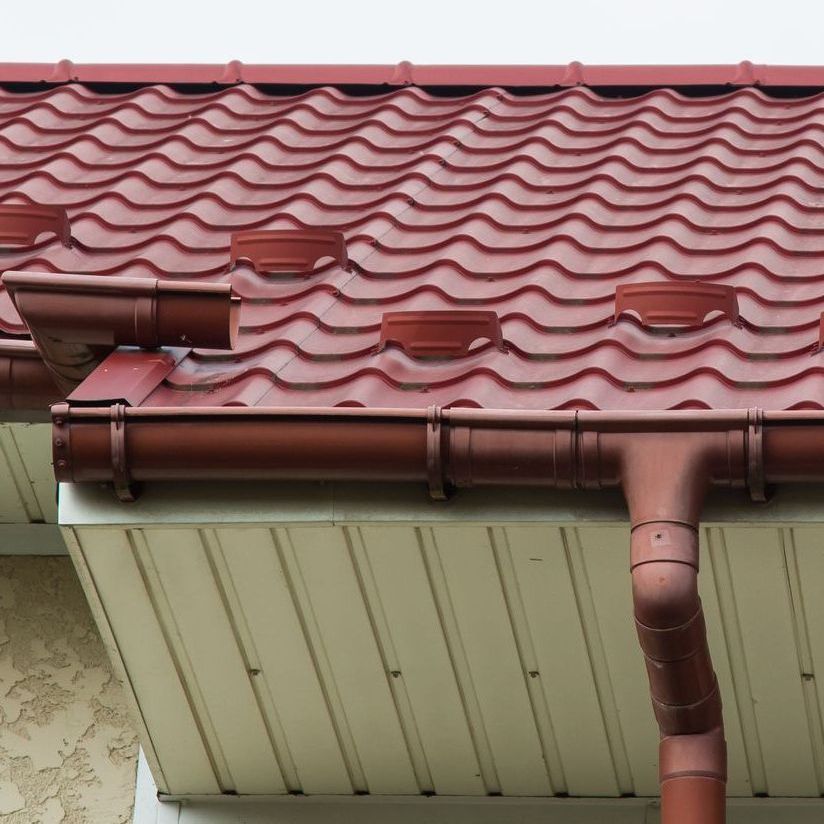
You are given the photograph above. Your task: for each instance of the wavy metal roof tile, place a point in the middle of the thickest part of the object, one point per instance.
(533, 206)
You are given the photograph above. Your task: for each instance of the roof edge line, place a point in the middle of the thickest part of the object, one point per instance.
(406, 73)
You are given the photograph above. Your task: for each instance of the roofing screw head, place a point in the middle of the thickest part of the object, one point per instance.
(58, 421)
(254, 672)
(61, 464)
(58, 442)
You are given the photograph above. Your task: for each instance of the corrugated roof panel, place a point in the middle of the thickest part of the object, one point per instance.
(460, 660)
(534, 206)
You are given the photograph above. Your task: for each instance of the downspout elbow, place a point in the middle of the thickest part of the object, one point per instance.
(670, 623)
(664, 481)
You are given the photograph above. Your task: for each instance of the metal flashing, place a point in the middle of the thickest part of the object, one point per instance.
(128, 375)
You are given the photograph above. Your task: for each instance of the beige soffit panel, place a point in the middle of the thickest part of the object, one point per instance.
(457, 659)
(27, 487)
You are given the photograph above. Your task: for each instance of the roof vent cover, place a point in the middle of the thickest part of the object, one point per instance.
(439, 333)
(21, 224)
(676, 304)
(288, 250)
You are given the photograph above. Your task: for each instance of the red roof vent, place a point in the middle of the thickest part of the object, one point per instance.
(21, 224)
(447, 333)
(675, 304)
(288, 250)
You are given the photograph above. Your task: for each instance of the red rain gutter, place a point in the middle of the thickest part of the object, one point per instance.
(75, 321)
(664, 463)
(405, 73)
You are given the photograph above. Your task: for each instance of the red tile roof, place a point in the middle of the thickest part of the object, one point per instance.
(533, 206)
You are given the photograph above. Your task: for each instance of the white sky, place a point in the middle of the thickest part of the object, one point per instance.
(423, 31)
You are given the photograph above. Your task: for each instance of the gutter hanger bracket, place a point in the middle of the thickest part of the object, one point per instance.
(123, 486)
(756, 481)
(434, 455)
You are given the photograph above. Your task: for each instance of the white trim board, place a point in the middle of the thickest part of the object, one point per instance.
(316, 503)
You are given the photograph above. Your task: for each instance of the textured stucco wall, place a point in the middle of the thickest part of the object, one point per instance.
(67, 749)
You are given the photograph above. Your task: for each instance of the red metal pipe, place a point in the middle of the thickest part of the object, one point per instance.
(665, 477)
(76, 320)
(693, 775)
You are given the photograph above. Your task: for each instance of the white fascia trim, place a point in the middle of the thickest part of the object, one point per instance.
(330, 504)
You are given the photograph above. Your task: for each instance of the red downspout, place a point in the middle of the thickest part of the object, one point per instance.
(664, 481)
